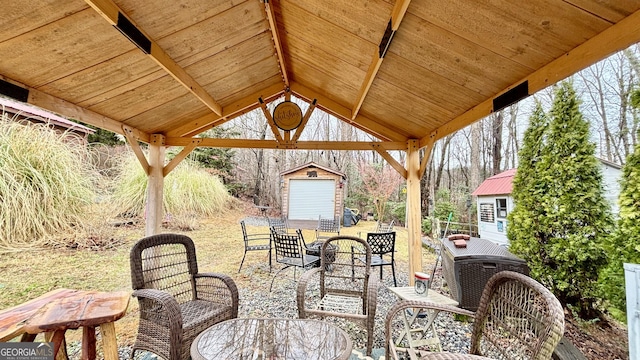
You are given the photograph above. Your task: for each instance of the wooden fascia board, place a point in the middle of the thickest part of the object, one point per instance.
(305, 119)
(365, 124)
(300, 145)
(135, 146)
(397, 14)
(230, 111)
(276, 40)
(615, 38)
(181, 155)
(67, 109)
(110, 12)
(391, 160)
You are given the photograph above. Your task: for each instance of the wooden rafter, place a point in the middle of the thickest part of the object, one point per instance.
(391, 160)
(230, 111)
(272, 124)
(617, 37)
(365, 124)
(305, 119)
(178, 158)
(116, 17)
(70, 110)
(135, 146)
(276, 40)
(399, 10)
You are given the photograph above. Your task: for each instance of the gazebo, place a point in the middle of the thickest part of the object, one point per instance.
(406, 72)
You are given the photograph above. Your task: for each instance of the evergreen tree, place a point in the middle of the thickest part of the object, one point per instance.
(624, 245)
(527, 188)
(570, 217)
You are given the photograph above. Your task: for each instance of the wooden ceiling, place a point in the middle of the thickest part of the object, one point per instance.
(400, 70)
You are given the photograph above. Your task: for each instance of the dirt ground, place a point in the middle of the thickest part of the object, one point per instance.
(596, 341)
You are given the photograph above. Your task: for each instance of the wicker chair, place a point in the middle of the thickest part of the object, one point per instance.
(255, 242)
(517, 318)
(348, 289)
(176, 302)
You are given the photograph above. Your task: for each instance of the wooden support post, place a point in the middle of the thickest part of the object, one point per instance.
(414, 211)
(155, 185)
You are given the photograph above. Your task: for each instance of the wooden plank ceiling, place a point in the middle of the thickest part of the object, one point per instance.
(400, 70)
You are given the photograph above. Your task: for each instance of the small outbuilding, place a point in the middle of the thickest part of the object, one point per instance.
(310, 191)
(495, 202)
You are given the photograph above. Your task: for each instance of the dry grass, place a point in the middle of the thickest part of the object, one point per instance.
(218, 240)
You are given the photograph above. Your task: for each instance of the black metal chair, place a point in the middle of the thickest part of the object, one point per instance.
(255, 242)
(279, 224)
(383, 244)
(327, 228)
(291, 252)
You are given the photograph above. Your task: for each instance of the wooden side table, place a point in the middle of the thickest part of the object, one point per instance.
(423, 338)
(86, 309)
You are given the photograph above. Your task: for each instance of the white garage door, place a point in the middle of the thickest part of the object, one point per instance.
(309, 199)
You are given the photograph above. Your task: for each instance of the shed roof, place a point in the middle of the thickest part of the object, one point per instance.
(34, 113)
(312, 165)
(398, 70)
(499, 184)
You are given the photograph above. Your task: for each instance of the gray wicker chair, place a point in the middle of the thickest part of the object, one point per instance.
(348, 289)
(517, 318)
(176, 302)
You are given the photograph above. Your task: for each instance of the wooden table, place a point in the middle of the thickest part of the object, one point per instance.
(423, 338)
(57, 311)
(272, 339)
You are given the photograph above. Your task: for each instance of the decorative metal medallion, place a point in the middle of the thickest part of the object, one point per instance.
(287, 115)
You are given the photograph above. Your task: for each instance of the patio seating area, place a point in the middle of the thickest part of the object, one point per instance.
(255, 301)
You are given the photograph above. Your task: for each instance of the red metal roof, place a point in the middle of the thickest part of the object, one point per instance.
(499, 184)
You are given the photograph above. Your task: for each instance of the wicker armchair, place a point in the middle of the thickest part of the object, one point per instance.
(348, 289)
(517, 318)
(176, 302)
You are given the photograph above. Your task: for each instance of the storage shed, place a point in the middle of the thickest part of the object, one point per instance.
(310, 191)
(495, 202)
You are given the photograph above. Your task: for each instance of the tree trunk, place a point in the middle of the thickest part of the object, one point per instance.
(496, 152)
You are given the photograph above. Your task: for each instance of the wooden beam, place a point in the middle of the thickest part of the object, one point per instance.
(399, 10)
(67, 109)
(427, 154)
(230, 111)
(367, 125)
(133, 141)
(617, 37)
(178, 158)
(116, 17)
(305, 119)
(390, 159)
(276, 40)
(272, 124)
(414, 209)
(301, 145)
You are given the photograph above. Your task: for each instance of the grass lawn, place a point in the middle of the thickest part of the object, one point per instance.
(219, 246)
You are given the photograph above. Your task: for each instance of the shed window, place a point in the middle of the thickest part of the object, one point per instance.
(501, 207)
(486, 212)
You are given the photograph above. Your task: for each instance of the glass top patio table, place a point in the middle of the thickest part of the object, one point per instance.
(275, 338)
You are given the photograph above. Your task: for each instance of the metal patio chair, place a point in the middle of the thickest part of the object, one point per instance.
(383, 248)
(291, 251)
(327, 228)
(255, 242)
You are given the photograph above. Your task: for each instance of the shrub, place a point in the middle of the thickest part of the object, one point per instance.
(45, 184)
(427, 226)
(188, 191)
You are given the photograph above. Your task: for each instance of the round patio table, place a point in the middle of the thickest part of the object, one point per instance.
(276, 338)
